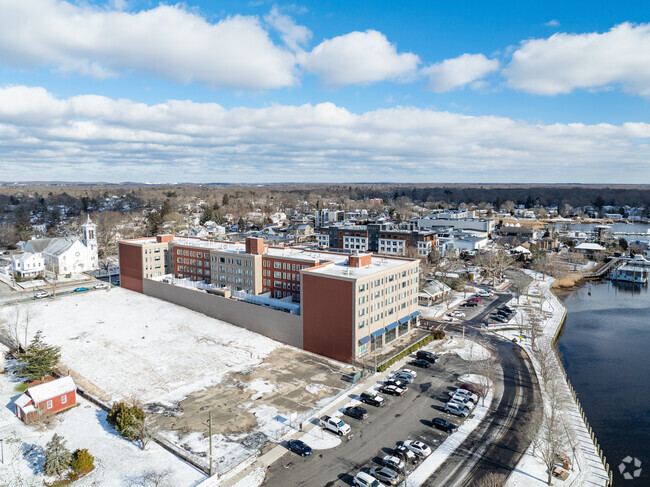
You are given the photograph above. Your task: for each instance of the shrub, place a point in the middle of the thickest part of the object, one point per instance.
(82, 461)
(436, 335)
(125, 417)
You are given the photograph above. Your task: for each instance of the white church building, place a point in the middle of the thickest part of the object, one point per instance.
(67, 255)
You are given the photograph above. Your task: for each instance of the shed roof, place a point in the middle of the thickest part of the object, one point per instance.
(55, 388)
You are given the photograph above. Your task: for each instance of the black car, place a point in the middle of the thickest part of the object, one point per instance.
(505, 313)
(372, 399)
(423, 354)
(395, 382)
(469, 304)
(425, 364)
(299, 447)
(444, 425)
(506, 308)
(356, 412)
(499, 318)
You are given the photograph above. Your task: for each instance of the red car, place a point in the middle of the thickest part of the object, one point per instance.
(475, 300)
(471, 388)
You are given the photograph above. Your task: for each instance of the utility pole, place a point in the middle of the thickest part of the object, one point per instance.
(210, 433)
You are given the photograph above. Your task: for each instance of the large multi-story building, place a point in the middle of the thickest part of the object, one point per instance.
(378, 237)
(350, 303)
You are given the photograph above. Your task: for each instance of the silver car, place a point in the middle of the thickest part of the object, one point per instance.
(456, 409)
(385, 474)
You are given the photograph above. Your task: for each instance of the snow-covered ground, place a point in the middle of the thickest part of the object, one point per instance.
(118, 462)
(466, 349)
(438, 310)
(132, 345)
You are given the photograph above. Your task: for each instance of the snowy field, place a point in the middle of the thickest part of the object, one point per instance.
(464, 348)
(131, 345)
(118, 462)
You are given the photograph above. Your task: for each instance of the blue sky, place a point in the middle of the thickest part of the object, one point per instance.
(325, 91)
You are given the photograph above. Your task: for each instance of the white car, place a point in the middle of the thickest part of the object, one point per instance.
(463, 401)
(484, 294)
(363, 479)
(456, 409)
(418, 448)
(101, 285)
(465, 393)
(41, 294)
(457, 314)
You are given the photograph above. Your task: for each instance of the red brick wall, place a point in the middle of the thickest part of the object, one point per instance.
(287, 285)
(191, 263)
(130, 266)
(327, 316)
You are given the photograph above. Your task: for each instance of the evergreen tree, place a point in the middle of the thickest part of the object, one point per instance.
(241, 224)
(57, 456)
(39, 359)
(154, 223)
(225, 200)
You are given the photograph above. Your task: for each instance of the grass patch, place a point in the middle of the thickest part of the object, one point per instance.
(20, 388)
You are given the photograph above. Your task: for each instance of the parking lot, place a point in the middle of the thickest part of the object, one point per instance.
(403, 418)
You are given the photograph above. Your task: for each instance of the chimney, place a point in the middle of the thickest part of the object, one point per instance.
(359, 260)
(254, 245)
(164, 238)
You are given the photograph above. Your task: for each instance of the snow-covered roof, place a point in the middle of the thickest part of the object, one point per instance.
(55, 388)
(60, 245)
(520, 250)
(589, 246)
(22, 401)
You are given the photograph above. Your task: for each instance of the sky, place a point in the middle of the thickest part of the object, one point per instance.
(327, 91)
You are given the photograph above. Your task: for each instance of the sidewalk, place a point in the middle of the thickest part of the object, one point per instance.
(588, 469)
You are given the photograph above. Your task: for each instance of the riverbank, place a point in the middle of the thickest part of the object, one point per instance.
(588, 467)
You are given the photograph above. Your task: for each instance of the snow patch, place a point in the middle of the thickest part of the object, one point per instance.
(318, 388)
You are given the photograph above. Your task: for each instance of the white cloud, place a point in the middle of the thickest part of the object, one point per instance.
(293, 35)
(167, 41)
(565, 62)
(358, 57)
(552, 23)
(97, 138)
(459, 71)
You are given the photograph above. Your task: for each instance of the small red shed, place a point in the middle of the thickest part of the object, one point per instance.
(50, 397)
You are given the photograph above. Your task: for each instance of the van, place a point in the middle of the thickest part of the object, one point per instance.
(363, 479)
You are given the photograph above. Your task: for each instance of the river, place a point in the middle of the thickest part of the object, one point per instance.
(605, 348)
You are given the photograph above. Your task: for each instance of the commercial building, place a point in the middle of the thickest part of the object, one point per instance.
(378, 237)
(457, 220)
(347, 304)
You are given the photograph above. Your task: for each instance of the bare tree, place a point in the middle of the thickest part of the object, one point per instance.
(492, 479)
(495, 264)
(14, 324)
(487, 372)
(157, 478)
(519, 284)
(142, 430)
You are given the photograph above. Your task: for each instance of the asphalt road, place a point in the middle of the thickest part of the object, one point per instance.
(407, 417)
(497, 443)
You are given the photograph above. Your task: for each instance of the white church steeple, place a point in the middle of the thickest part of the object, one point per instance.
(90, 241)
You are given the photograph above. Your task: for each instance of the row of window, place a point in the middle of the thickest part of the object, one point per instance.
(285, 266)
(193, 253)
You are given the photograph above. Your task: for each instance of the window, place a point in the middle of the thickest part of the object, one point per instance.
(49, 404)
(277, 265)
(64, 399)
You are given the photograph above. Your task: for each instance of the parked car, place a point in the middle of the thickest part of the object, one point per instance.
(385, 474)
(335, 425)
(457, 314)
(464, 392)
(395, 382)
(470, 304)
(475, 300)
(356, 412)
(473, 388)
(80, 289)
(410, 372)
(423, 354)
(101, 285)
(405, 454)
(485, 294)
(425, 364)
(505, 313)
(408, 379)
(499, 318)
(299, 447)
(363, 479)
(463, 401)
(444, 425)
(419, 448)
(505, 307)
(456, 409)
(393, 462)
(392, 390)
(41, 294)
(372, 398)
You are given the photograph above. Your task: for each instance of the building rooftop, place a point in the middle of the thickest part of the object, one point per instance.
(341, 268)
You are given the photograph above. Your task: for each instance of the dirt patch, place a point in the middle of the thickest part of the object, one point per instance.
(288, 380)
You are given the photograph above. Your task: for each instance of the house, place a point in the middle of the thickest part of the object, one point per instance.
(51, 397)
(27, 264)
(434, 291)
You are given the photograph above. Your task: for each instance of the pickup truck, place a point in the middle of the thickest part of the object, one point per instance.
(335, 425)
